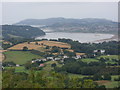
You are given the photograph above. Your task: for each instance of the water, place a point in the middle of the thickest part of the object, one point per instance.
(81, 37)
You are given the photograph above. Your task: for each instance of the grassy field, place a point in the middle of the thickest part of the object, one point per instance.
(112, 84)
(48, 65)
(76, 75)
(109, 56)
(88, 60)
(114, 76)
(18, 69)
(19, 57)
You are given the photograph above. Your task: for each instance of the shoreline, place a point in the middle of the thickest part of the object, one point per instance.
(113, 38)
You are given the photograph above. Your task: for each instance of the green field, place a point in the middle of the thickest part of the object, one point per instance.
(109, 56)
(19, 57)
(112, 84)
(48, 65)
(18, 69)
(88, 60)
(77, 75)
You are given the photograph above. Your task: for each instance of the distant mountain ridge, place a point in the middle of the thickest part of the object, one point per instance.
(87, 25)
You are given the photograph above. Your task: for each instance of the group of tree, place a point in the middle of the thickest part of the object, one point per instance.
(74, 66)
(88, 48)
(19, 31)
(110, 48)
(12, 79)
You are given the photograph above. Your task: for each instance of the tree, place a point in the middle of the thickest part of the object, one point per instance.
(107, 76)
(27, 65)
(53, 65)
(97, 77)
(88, 83)
(7, 64)
(28, 42)
(47, 47)
(25, 48)
(36, 43)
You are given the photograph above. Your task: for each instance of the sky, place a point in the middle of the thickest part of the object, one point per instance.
(13, 12)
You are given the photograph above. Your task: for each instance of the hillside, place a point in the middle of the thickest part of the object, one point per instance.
(39, 44)
(19, 31)
(87, 25)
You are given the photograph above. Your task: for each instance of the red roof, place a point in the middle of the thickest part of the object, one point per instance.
(41, 65)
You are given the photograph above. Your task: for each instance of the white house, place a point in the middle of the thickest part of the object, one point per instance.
(95, 51)
(44, 59)
(101, 51)
(79, 55)
(32, 61)
(57, 59)
(50, 58)
(65, 56)
(17, 65)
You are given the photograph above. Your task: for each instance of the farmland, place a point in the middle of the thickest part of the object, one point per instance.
(39, 44)
(21, 45)
(109, 56)
(2, 56)
(19, 57)
(108, 59)
(18, 69)
(88, 60)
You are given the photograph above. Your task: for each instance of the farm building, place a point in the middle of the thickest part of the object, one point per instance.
(41, 65)
(101, 51)
(80, 55)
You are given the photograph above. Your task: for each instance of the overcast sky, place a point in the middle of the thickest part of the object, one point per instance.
(15, 12)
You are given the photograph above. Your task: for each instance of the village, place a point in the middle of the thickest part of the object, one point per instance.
(56, 51)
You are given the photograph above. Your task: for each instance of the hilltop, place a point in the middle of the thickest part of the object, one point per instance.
(20, 31)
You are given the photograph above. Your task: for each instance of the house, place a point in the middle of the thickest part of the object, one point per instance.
(79, 55)
(3, 68)
(74, 57)
(57, 59)
(101, 51)
(65, 56)
(32, 61)
(95, 51)
(41, 65)
(44, 59)
(17, 65)
(50, 58)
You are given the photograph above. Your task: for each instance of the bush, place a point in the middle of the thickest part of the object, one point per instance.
(25, 48)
